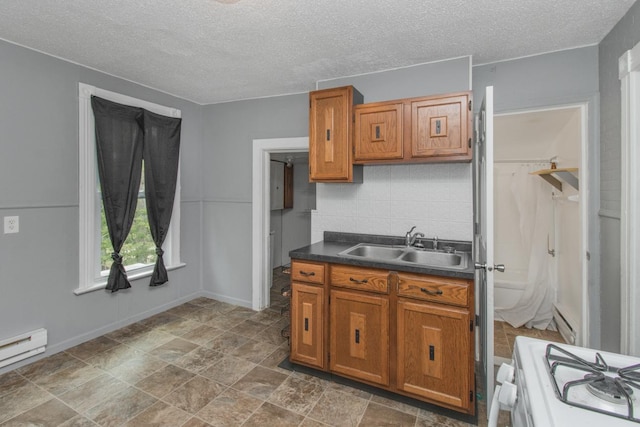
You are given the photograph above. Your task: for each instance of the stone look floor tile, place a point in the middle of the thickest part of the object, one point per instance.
(271, 415)
(158, 320)
(136, 368)
(120, 407)
(253, 351)
(308, 422)
(231, 408)
(228, 370)
(274, 359)
(127, 333)
(11, 381)
(202, 334)
(67, 379)
(195, 394)
(227, 342)
(90, 348)
(49, 365)
(297, 395)
(260, 382)
(173, 350)
(164, 380)
(157, 415)
(93, 392)
(179, 326)
(338, 409)
(379, 415)
(21, 400)
(248, 328)
(272, 335)
(402, 407)
(114, 357)
(78, 421)
(199, 359)
(196, 422)
(149, 340)
(266, 317)
(50, 413)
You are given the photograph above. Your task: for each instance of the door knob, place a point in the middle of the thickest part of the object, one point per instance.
(483, 266)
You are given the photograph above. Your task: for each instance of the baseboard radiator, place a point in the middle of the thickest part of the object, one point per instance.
(565, 328)
(20, 347)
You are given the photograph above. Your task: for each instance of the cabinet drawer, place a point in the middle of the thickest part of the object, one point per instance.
(307, 272)
(432, 288)
(362, 279)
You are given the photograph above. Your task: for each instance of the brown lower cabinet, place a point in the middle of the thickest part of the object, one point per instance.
(412, 334)
(359, 344)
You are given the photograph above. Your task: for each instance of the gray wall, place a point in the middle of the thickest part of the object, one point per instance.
(433, 78)
(624, 36)
(229, 130)
(552, 79)
(39, 182)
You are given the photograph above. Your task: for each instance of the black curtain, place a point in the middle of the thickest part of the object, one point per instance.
(161, 156)
(119, 143)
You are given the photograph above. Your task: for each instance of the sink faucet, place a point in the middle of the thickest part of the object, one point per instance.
(410, 239)
(435, 243)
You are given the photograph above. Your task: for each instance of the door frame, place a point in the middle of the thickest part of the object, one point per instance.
(583, 338)
(629, 75)
(261, 212)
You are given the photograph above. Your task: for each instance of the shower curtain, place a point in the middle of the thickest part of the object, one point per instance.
(533, 200)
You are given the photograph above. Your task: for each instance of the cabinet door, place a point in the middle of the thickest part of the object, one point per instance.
(307, 337)
(330, 135)
(435, 354)
(360, 336)
(276, 183)
(440, 127)
(378, 132)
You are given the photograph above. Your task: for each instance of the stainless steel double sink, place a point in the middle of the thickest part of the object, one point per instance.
(408, 255)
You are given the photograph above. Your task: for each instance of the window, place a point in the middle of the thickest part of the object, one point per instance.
(94, 247)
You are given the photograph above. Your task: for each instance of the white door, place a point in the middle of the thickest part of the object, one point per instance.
(483, 239)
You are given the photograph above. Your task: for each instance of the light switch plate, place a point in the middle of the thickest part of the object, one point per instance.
(11, 224)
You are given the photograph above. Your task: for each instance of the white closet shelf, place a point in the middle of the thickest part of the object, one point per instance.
(565, 174)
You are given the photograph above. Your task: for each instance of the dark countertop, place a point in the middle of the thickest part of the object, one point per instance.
(334, 243)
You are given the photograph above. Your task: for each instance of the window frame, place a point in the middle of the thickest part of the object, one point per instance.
(90, 277)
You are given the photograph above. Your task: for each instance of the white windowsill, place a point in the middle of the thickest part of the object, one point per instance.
(134, 276)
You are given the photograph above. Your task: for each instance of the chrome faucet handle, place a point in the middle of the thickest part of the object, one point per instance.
(407, 236)
(435, 243)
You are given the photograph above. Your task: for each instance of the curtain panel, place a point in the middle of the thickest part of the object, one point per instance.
(125, 138)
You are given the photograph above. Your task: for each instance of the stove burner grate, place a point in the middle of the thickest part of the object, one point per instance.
(618, 390)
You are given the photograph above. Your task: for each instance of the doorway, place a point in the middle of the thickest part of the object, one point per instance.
(263, 150)
(540, 205)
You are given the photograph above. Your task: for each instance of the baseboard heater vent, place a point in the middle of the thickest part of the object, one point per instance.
(20, 347)
(564, 326)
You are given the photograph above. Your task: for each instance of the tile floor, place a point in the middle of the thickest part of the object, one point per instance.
(203, 363)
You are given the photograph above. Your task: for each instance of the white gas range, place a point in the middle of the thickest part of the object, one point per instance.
(558, 385)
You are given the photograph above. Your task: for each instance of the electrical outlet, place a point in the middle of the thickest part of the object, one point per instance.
(11, 224)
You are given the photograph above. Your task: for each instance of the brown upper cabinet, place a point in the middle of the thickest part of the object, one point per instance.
(414, 130)
(331, 134)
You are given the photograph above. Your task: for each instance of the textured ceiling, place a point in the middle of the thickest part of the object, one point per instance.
(210, 51)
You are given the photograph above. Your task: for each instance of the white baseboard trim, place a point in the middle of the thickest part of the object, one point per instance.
(79, 339)
(227, 299)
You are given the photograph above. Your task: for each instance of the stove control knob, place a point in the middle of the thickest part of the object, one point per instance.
(506, 373)
(507, 397)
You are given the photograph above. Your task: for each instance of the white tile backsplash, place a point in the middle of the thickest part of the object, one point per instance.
(436, 198)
